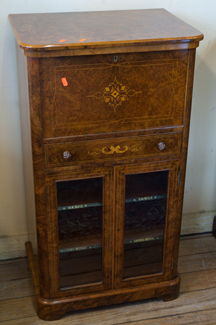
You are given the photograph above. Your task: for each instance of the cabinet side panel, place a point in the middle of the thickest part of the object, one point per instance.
(188, 101)
(26, 146)
(33, 66)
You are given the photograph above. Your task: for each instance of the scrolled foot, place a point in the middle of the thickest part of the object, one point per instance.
(169, 297)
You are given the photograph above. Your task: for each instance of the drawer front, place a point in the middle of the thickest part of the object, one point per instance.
(112, 93)
(80, 152)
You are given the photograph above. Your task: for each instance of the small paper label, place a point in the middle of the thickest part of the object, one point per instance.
(64, 82)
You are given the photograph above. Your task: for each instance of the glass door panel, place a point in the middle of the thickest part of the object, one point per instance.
(144, 223)
(80, 210)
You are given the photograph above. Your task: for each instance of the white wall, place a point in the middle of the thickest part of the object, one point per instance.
(200, 189)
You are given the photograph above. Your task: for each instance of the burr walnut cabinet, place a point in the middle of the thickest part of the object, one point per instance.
(105, 103)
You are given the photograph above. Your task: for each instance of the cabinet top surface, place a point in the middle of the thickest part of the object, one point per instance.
(62, 31)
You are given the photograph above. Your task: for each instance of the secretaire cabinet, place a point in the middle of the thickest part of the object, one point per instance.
(105, 103)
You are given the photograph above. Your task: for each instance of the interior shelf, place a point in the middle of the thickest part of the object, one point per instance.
(79, 206)
(80, 244)
(145, 210)
(81, 194)
(97, 204)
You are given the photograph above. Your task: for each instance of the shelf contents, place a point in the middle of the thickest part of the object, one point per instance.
(80, 194)
(80, 210)
(144, 223)
(97, 204)
(80, 231)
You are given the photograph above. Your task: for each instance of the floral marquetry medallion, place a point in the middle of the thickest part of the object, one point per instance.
(115, 94)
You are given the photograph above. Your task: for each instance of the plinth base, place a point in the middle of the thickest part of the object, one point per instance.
(53, 309)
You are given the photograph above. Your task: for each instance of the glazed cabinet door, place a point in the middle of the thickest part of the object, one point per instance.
(80, 230)
(145, 223)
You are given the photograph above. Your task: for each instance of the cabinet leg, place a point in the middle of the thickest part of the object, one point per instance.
(50, 316)
(169, 297)
(171, 293)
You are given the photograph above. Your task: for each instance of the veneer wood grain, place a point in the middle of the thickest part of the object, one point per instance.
(108, 95)
(115, 32)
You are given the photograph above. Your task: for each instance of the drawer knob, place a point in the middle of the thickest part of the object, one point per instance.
(161, 146)
(66, 155)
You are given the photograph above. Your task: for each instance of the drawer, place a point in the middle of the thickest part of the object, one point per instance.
(79, 152)
(112, 93)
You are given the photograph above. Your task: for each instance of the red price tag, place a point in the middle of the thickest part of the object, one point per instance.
(64, 82)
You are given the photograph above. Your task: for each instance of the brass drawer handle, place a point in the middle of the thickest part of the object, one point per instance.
(66, 155)
(161, 146)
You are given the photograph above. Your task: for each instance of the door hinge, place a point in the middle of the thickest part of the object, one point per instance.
(179, 176)
(45, 194)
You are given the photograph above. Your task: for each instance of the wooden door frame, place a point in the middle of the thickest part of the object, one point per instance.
(171, 215)
(52, 225)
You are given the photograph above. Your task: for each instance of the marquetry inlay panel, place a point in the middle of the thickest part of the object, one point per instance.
(100, 96)
(115, 94)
